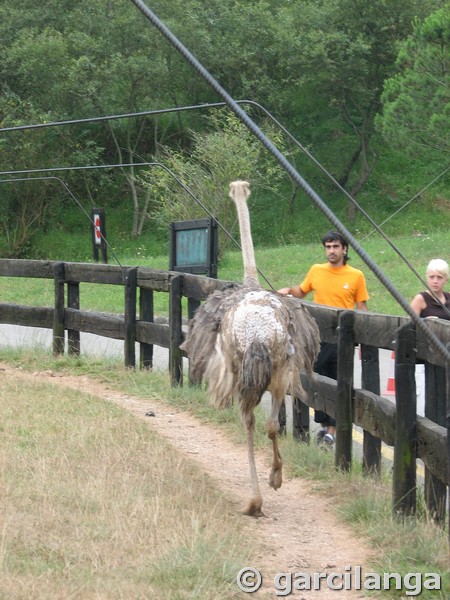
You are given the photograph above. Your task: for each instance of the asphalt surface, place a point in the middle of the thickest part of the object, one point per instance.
(97, 346)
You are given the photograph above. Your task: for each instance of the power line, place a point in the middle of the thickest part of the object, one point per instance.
(409, 201)
(144, 113)
(279, 125)
(242, 115)
(121, 165)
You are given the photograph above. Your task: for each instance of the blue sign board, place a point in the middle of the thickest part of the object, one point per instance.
(193, 247)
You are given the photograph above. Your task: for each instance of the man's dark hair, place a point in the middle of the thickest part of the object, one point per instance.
(335, 236)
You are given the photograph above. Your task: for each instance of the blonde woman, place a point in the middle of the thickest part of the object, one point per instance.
(436, 305)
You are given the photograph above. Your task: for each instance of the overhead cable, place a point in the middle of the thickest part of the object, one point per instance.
(113, 166)
(288, 167)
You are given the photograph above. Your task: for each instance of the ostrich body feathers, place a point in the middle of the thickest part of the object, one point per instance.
(232, 326)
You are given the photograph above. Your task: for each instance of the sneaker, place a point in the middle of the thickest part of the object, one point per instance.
(329, 439)
(321, 435)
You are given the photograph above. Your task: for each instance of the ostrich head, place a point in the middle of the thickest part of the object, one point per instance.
(239, 191)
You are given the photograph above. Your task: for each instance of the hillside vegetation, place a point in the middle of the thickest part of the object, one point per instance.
(325, 81)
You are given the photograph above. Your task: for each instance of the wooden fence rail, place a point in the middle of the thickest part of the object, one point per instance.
(396, 425)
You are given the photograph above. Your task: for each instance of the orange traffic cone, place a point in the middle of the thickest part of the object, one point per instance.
(390, 386)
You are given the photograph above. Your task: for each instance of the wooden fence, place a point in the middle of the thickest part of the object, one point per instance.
(397, 425)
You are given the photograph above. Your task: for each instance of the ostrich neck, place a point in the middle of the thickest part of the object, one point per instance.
(248, 253)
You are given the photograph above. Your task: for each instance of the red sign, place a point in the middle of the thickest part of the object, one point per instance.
(97, 233)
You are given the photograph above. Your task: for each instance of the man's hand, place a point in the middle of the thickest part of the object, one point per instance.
(284, 291)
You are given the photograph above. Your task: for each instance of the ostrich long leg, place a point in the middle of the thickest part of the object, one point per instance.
(254, 507)
(272, 425)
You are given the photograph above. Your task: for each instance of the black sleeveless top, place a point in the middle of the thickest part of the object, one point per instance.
(434, 308)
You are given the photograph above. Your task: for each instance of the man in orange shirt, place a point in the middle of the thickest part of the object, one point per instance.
(334, 283)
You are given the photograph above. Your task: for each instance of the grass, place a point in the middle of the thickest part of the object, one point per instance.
(280, 265)
(101, 450)
(95, 505)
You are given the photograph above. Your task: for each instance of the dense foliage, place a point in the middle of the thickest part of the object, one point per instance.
(318, 67)
(416, 100)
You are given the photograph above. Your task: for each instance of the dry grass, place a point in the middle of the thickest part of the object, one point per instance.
(415, 544)
(96, 506)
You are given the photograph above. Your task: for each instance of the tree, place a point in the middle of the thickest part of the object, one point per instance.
(26, 202)
(317, 66)
(416, 101)
(96, 57)
(226, 152)
(340, 52)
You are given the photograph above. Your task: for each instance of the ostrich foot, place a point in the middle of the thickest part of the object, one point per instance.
(253, 509)
(276, 478)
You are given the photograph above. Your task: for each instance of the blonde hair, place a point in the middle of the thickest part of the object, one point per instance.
(439, 265)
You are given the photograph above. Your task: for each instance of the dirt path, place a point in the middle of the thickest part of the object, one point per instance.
(300, 532)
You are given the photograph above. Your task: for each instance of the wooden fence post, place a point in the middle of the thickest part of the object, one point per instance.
(146, 313)
(344, 405)
(447, 371)
(193, 304)
(300, 420)
(435, 403)
(73, 301)
(405, 449)
(175, 319)
(58, 315)
(370, 380)
(130, 280)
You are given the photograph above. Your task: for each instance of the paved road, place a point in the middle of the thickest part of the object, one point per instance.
(93, 345)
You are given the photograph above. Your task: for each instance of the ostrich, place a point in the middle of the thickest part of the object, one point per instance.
(248, 340)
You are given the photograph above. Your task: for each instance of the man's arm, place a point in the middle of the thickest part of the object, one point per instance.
(361, 292)
(293, 291)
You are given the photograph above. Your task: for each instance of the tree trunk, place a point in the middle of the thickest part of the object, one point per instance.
(343, 180)
(363, 131)
(364, 174)
(143, 215)
(292, 197)
(129, 176)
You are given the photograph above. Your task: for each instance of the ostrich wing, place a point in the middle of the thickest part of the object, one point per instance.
(305, 339)
(200, 340)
